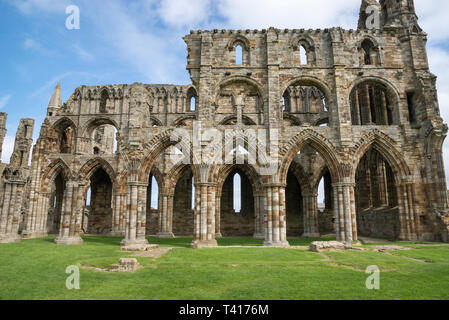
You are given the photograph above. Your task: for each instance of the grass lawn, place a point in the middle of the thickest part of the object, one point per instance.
(35, 269)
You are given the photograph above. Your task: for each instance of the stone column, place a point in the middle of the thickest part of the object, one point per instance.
(275, 225)
(67, 231)
(383, 104)
(135, 215)
(218, 217)
(310, 202)
(166, 218)
(205, 216)
(357, 120)
(116, 216)
(406, 212)
(382, 183)
(345, 215)
(366, 104)
(10, 211)
(259, 217)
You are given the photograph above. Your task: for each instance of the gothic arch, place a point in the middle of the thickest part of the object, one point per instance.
(91, 166)
(253, 82)
(155, 122)
(220, 175)
(239, 39)
(260, 162)
(180, 121)
(310, 81)
(159, 144)
(392, 91)
(52, 171)
(323, 146)
(65, 121)
(386, 147)
(245, 119)
(90, 125)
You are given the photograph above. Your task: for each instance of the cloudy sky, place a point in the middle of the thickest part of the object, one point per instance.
(126, 41)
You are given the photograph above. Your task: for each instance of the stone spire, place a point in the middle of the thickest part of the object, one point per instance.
(55, 101)
(363, 16)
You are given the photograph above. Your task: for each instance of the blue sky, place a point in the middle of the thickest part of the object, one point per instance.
(141, 41)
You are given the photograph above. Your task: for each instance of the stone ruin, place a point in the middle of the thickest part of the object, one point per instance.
(355, 109)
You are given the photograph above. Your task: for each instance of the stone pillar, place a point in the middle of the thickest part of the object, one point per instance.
(218, 217)
(71, 207)
(166, 217)
(382, 183)
(117, 216)
(383, 104)
(406, 212)
(205, 216)
(10, 211)
(310, 202)
(135, 224)
(259, 217)
(357, 120)
(345, 215)
(275, 224)
(366, 106)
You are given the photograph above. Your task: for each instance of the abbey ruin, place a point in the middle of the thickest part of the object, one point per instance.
(282, 110)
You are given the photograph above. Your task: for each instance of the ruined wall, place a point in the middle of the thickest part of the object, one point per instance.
(359, 90)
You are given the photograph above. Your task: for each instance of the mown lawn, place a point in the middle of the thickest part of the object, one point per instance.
(35, 269)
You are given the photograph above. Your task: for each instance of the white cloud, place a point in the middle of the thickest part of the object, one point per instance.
(289, 13)
(4, 100)
(136, 40)
(180, 13)
(432, 16)
(8, 148)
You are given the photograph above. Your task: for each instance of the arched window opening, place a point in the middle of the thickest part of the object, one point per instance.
(237, 193)
(368, 53)
(371, 105)
(88, 197)
(305, 103)
(411, 107)
(99, 203)
(303, 55)
(237, 204)
(192, 103)
(55, 209)
(238, 54)
(184, 204)
(66, 137)
(104, 140)
(286, 102)
(192, 100)
(321, 195)
(104, 101)
(154, 194)
(366, 46)
(376, 197)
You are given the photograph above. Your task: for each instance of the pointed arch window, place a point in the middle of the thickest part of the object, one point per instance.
(237, 193)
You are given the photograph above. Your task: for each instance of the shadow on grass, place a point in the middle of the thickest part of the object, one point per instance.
(184, 242)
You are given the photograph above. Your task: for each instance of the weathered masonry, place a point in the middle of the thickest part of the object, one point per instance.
(356, 109)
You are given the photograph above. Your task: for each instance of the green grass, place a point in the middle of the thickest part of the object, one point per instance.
(35, 269)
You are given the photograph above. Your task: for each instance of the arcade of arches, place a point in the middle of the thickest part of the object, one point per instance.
(327, 132)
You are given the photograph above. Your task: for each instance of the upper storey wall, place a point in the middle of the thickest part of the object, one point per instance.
(319, 44)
